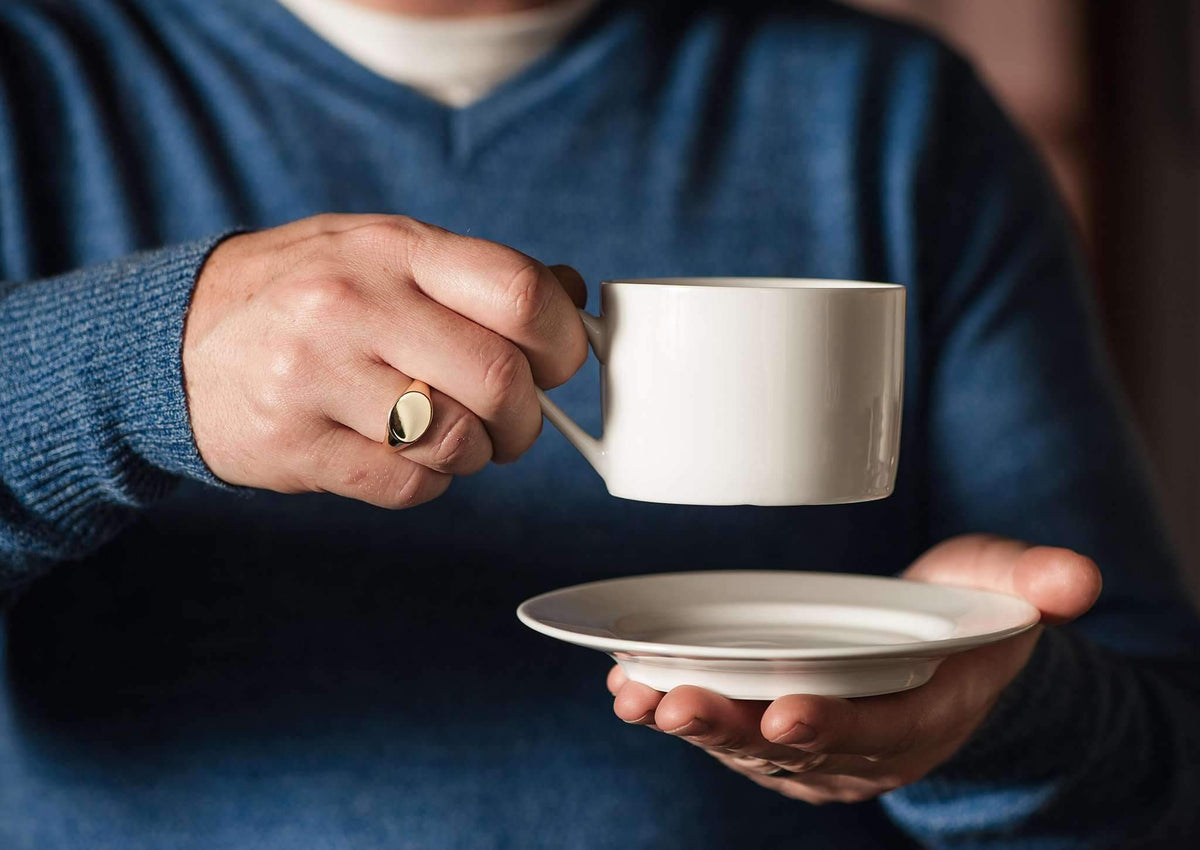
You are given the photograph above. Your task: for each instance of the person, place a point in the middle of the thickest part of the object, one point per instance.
(234, 231)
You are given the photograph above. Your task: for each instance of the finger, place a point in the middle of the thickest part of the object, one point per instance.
(787, 786)
(820, 788)
(480, 369)
(746, 765)
(941, 713)
(616, 679)
(361, 398)
(503, 290)
(572, 282)
(709, 719)
(1062, 584)
(804, 769)
(333, 223)
(875, 727)
(712, 721)
(348, 464)
(635, 703)
(840, 779)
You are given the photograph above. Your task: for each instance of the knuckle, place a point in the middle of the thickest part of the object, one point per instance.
(323, 222)
(281, 392)
(506, 376)
(321, 295)
(455, 450)
(406, 226)
(526, 296)
(419, 240)
(289, 363)
(391, 241)
(416, 232)
(369, 238)
(373, 234)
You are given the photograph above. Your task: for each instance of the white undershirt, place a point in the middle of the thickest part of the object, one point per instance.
(455, 60)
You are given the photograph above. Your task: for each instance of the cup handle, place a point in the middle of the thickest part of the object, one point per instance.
(587, 445)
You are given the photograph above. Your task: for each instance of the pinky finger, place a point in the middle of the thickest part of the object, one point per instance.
(348, 464)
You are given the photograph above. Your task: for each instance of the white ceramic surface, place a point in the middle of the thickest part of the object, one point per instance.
(761, 635)
(761, 391)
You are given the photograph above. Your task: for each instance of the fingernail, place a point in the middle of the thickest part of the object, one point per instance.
(798, 734)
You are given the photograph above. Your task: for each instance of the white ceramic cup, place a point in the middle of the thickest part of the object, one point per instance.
(758, 391)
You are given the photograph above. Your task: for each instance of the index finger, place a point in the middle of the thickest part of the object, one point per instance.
(945, 710)
(503, 290)
(872, 726)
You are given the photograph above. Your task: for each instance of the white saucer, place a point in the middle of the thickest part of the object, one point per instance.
(760, 635)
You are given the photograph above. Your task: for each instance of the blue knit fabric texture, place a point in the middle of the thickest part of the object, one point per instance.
(187, 666)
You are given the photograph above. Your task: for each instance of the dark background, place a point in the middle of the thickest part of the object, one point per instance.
(1110, 94)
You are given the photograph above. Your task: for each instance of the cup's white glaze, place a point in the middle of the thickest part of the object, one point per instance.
(761, 391)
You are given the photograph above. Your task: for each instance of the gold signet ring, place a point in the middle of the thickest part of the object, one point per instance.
(410, 416)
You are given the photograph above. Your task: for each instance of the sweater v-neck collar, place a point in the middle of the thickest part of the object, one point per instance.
(604, 29)
(456, 60)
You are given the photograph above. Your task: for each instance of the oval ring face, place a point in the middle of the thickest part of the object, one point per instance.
(409, 418)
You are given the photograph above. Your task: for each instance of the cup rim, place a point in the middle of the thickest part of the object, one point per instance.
(793, 284)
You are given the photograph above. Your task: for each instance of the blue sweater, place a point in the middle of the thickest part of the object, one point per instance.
(188, 666)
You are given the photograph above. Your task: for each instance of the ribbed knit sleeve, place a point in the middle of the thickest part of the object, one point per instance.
(1096, 742)
(1082, 735)
(93, 415)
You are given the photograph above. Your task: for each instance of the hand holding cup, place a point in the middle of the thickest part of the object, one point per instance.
(301, 338)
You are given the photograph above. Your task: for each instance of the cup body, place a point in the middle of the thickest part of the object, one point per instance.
(720, 391)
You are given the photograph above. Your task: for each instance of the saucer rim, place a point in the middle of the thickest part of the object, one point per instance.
(939, 647)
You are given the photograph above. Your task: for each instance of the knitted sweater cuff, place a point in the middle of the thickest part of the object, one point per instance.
(1015, 758)
(97, 412)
